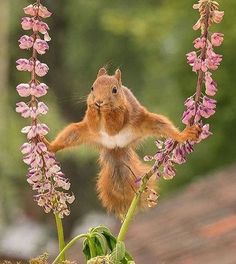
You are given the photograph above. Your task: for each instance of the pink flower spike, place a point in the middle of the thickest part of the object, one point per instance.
(41, 69)
(26, 42)
(217, 39)
(41, 46)
(23, 89)
(43, 12)
(27, 23)
(24, 65)
(30, 10)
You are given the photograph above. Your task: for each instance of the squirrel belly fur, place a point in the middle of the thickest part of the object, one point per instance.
(115, 122)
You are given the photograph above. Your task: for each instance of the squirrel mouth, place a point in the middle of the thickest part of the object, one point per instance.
(97, 105)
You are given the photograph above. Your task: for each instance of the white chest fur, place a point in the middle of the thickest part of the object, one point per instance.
(121, 139)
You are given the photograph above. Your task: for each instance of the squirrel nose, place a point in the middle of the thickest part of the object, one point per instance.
(98, 103)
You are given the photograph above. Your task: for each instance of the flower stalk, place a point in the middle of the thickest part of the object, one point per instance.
(198, 106)
(44, 173)
(60, 234)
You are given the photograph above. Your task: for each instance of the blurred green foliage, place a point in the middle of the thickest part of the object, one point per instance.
(148, 40)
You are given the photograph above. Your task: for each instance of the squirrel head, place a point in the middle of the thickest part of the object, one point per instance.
(106, 91)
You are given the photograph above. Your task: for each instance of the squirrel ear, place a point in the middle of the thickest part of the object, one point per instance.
(101, 72)
(118, 75)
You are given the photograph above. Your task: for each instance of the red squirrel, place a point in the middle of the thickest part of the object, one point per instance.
(116, 122)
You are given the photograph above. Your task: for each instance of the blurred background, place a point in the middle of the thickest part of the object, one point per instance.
(148, 41)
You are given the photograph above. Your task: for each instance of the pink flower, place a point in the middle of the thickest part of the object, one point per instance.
(26, 42)
(169, 172)
(26, 148)
(23, 89)
(209, 102)
(187, 115)
(205, 133)
(199, 43)
(211, 85)
(39, 90)
(41, 69)
(23, 109)
(30, 10)
(197, 25)
(206, 112)
(27, 23)
(148, 158)
(213, 60)
(217, 39)
(189, 102)
(179, 155)
(24, 65)
(204, 66)
(39, 26)
(43, 12)
(42, 108)
(217, 16)
(41, 46)
(33, 131)
(191, 57)
(169, 144)
(197, 65)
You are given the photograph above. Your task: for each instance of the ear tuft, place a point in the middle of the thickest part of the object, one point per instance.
(118, 75)
(101, 72)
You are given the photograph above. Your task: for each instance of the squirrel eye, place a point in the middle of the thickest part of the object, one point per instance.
(114, 90)
(92, 88)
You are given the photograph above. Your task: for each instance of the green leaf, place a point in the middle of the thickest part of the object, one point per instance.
(118, 253)
(103, 242)
(86, 250)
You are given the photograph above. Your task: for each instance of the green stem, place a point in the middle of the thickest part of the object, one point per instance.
(132, 209)
(61, 239)
(71, 243)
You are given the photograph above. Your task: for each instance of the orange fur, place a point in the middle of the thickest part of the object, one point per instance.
(115, 122)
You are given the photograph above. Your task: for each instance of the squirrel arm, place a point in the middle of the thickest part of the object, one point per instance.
(72, 135)
(158, 125)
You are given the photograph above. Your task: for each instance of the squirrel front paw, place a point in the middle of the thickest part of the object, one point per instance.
(190, 133)
(48, 144)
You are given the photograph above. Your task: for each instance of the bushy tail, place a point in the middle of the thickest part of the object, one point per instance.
(117, 180)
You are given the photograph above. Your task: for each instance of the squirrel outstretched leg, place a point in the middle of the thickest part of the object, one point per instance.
(72, 135)
(158, 125)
